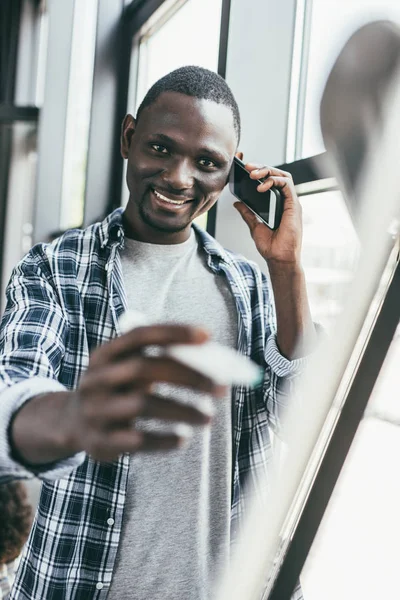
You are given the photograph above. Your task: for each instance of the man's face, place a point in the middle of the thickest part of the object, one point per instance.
(179, 156)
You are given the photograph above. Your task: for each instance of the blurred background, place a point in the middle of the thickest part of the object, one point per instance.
(70, 70)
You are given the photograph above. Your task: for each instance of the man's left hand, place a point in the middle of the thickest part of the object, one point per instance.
(282, 245)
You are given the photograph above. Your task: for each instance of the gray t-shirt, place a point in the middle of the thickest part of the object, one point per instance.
(175, 533)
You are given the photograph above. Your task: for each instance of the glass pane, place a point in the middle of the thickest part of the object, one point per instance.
(332, 22)
(355, 553)
(42, 49)
(20, 142)
(179, 42)
(330, 251)
(32, 51)
(78, 114)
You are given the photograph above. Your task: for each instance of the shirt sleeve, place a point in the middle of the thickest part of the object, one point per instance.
(12, 399)
(280, 387)
(33, 334)
(282, 366)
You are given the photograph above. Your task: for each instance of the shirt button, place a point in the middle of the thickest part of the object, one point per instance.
(110, 521)
(99, 585)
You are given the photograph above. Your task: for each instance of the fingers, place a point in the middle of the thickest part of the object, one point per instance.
(112, 430)
(157, 407)
(132, 441)
(272, 177)
(141, 371)
(116, 389)
(135, 340)
(123, 409)
(258, 171)
(284, 184)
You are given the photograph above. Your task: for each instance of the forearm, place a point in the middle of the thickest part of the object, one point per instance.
(295, 329)
(41, 432)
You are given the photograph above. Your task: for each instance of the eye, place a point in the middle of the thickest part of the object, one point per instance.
(159, 148)
(208, 163)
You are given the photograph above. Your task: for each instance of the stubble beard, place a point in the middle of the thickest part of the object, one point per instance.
(146, 218)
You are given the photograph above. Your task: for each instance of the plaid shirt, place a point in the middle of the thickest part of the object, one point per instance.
(63, 300)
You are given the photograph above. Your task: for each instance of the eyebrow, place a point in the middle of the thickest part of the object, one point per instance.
(217, 154)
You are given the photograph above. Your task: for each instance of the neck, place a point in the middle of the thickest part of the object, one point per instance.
(136, 229)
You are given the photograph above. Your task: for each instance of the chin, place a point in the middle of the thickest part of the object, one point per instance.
(162, 225)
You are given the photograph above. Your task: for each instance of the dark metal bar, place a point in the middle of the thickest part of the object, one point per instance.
(340, 443)
(104, 133)
(309, 169)
(10, 15)
(222, 60)
(5, 152)
(10, 113)
(138, 12)
(125, 48)
(224, 37)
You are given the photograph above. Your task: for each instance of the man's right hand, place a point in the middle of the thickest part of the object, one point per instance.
(99, 417)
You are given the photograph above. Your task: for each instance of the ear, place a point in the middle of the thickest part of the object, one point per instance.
(239, 155)
(127, 130)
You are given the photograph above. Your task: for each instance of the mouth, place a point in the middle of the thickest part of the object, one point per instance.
(164, 199)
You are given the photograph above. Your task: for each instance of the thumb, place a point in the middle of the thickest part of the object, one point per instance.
(247, 215)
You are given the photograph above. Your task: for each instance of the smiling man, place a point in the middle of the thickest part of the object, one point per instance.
(127, 510)
(179, 153)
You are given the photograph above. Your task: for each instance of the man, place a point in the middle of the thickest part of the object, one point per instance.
(86, 412)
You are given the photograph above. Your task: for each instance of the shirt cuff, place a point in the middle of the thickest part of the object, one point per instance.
(11, 400)
(282, 366)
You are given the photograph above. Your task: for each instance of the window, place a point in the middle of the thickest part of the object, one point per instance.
(327, 26)
(345, 364)
(178, 34)
(330, 252)
(187, 35)
(19, 195)
(356, 548)
(78, 114)
(330, 244)
(23, 45)
(32, 50)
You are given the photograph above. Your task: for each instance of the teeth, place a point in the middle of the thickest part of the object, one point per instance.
(168, 199)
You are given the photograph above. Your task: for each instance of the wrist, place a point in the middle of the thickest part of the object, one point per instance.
(69, 440)
(41, 431)
(285, 268)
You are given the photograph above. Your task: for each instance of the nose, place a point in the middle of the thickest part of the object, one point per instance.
(179, 175)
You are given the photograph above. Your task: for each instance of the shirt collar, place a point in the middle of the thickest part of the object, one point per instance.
(210, 244)
(112, 230)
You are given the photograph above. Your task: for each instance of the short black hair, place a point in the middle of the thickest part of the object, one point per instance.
(196, 82)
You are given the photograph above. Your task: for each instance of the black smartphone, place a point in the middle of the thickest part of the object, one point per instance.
(266, 205)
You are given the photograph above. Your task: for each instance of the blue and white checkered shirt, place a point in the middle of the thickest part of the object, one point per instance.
(63, 300)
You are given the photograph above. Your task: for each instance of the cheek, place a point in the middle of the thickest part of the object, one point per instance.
(214, 186)
(137, 172)
(140, 166)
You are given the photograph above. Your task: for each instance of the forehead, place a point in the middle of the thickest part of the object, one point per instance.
(202, 122)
